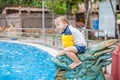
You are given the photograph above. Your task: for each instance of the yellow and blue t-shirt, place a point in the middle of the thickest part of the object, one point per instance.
(73, 37)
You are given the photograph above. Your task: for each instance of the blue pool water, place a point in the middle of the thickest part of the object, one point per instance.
(24, 62)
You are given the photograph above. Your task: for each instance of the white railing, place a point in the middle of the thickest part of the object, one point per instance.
(50, 37)
(94, 36)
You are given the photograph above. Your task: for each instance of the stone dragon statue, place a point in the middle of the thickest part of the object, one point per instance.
(93, 60)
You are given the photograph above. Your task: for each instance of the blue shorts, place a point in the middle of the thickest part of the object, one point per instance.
(80, 49)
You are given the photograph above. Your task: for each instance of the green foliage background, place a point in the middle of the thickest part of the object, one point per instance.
(60, 6)
(118, 16)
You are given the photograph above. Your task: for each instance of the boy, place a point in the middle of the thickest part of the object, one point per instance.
(72, 40)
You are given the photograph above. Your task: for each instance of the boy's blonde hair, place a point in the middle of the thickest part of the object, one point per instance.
(61, 19)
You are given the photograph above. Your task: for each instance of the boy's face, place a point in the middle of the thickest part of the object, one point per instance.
(60, 26)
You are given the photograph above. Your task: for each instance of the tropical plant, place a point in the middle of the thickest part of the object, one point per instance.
(59, 6)
(118, 16)
(36, 3)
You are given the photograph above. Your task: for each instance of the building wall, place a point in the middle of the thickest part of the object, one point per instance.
(25, 20)
(13, 19)
(2, 20)
(35, 21)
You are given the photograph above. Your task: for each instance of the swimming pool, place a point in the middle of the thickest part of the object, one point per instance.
(25, 62)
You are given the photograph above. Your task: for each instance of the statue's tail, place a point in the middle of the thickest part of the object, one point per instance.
(103, 45)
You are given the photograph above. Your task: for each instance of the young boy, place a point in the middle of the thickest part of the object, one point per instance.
(72, 40)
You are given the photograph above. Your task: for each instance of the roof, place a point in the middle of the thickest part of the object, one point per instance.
(95, 7)
(23, 8)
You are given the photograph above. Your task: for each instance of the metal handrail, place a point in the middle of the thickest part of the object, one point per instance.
(86, 34)
(49, 38)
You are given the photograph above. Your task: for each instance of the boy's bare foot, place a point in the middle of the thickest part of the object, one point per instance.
(73, 65)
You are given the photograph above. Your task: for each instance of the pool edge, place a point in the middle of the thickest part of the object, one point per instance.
(52, 51)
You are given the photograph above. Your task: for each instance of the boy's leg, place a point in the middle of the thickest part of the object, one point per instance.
(60, 53)
(71, 53)
(68, 49)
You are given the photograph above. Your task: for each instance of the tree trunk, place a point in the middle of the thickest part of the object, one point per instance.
(67, 7)
(119, 4)
(88, 13)
(86, 2)
(115, 16)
